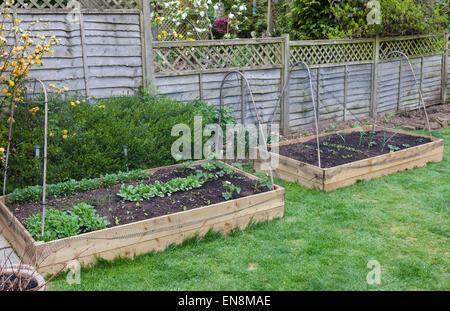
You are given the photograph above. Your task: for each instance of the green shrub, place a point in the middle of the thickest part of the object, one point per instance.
(85, 139)
(60, 224)
(88, 219)
(327, 19)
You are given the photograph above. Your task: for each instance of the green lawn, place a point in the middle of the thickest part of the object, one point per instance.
(324, 242)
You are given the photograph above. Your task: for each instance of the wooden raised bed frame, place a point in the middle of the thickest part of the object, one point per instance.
(154, 234)
(329, 179)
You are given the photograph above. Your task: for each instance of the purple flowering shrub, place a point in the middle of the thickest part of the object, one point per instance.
(221, 26)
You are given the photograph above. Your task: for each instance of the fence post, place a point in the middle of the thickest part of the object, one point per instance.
(374, 88)
(84, 54)
(147, 53)
(445, 70)
(284, 109)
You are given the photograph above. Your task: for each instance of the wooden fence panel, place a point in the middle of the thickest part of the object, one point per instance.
(358, 98)
(111, 53)
(265, 86)
(432, 76)
(101, 56)
(65, 67)
(398, 88)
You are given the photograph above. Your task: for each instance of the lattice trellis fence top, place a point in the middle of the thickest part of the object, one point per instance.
(64, 4)
(412, 46)
(318, 54)
(209, 57)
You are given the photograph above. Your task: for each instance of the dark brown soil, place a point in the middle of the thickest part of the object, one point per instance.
(334, 151)
(108, 204)
(9, 282)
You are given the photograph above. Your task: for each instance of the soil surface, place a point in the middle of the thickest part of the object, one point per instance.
(9, 282)
(335, 151)
(108, 204)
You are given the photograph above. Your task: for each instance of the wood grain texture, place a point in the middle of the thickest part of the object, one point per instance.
(103, 59)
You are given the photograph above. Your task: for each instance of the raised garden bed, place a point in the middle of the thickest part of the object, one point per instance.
(346, 156)
(142, 226)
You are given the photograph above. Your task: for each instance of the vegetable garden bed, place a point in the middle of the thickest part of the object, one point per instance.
(351, 155)
(170, 205)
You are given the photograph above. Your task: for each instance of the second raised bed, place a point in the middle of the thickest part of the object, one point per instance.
(339, 176)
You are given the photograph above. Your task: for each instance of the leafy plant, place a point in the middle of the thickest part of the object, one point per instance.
(60, 224)
(230, 189)
(361, 135)
(88, 219)
(393, 148)
(144, 192)
(386, 140)
(34, 193)
(387, 117)
(208, 165)
(371, 142)
(188, 165)
(320, 19)
(265, 180)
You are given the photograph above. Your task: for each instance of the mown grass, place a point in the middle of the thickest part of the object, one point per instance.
(324, 242)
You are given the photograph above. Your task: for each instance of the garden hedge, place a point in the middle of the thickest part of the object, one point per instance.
(86, 138)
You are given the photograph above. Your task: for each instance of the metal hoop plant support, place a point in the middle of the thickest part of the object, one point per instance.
(8, 148)
(258, 118)
(315, 107)
(418, 88)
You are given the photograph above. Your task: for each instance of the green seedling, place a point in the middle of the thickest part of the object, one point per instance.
(361, 136)
(265, 181)
(393, 148)
(386, 140)
(230, 190)
(387, 117)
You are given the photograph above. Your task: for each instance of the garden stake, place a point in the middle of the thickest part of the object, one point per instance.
(256, 113)
(8, 148)
(316, 110)
(44, 176)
